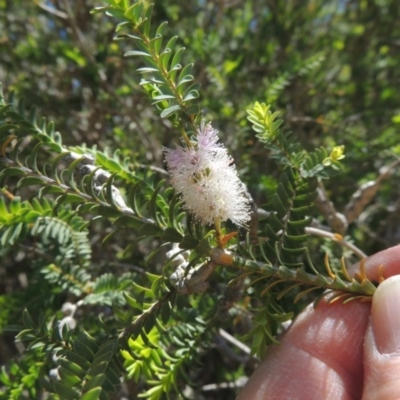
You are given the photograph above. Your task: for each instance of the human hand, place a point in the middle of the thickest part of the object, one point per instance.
(339, 351)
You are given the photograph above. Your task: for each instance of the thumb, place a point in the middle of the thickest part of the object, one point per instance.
(382, 344)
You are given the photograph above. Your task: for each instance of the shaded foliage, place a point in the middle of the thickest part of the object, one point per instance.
(88, 218)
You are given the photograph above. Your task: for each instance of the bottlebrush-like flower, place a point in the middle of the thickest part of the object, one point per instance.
(207, 181)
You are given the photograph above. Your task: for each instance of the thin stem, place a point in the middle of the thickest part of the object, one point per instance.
(46, 181)
(336, 238)
(146, 314)
(168, 81)
(218, 235)
(360, 286)
(8, 194)
(188, 142)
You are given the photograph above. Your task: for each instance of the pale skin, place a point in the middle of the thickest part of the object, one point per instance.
(339, 351)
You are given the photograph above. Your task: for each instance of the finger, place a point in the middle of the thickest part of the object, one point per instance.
(320, 357)
(382, 344)
(383, 264)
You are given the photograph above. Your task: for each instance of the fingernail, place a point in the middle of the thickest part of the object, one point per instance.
(386, 316)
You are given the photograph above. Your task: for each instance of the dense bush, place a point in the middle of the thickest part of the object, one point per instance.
(115, 281)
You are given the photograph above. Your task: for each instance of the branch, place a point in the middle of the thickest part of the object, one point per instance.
(367, 192)
(336, 238)
(139, 321)
(335, 220)
(354, 287)
(51, 10)
(51, 182)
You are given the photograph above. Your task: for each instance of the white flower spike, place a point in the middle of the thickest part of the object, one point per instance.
(206, 178)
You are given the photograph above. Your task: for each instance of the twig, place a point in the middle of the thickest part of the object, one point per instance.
(127, 266)
(51, 10)
(193, 281)
(336, 221)
(367, 192)
(156, 169)
(142, 317)
(49, 182)
(239, 383)
(241, 346)
(336, 238)
(6, 193)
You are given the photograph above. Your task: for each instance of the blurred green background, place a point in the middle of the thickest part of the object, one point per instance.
(332, 68)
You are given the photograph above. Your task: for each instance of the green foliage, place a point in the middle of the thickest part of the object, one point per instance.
(95, 191)
(21, 377)
(293, 200)
(147, 356)
(64, 235)
(88, 217)
(84, 368)
(278, 85)
(168, 83)
(286, 149)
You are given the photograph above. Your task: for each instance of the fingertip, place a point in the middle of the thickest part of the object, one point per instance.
(384, 264)
(386, 317)
(382, 344)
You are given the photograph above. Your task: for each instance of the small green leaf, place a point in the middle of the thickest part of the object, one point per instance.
(68, 378)
(150, 230)
(77, 359)
(64, 392)
(185, 79)
(147, 69)
(83, 350)
(188, 242)
(13, 328)
(193, 94)
(48, 190)
(92, 394)
(11, 171)
(176, 60)
(30, 180)
(136, 53)
(172, 235)
(193, 109)
(69, 198)
(166, 54)
(163, 97)
(170, 111)
(72, 367)
(25, 335)
(132, 302)
(27, 319)
(104, 211)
